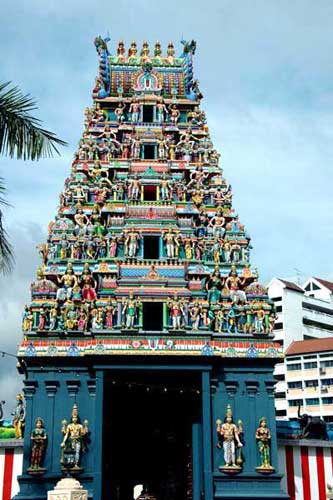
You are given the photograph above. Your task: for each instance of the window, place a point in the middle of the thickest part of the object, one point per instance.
(280, 395)
(308, 287)
(295, 402)
(312, 402)
(329, 355)
(149, 193)
(148, 114)
(149, 152)
(293, 367)
(310, 365)
(278, 326)
(311, 383)
(278, 309)
(281, 413)
(153, 316)
(276, 299)
(326, 364)
(295, 385)
(327, 401)
(151, 247)
(310, 356)
(326, 382)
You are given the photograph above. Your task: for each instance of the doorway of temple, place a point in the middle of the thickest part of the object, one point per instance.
(148, 421)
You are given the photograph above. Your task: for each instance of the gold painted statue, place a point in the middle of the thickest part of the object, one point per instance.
(229, 437)
(74, 442)
(19, 417)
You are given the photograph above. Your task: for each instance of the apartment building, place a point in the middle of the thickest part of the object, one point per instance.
(309, 378)
(304, 312)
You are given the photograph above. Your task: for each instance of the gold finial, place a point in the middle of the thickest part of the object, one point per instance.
(75, 411)
(132, 51)
(121, 48)
(171, 50)
(157, 51)
(228, 412)
(145, 49)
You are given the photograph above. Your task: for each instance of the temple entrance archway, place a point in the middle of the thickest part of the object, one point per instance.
(148, 421)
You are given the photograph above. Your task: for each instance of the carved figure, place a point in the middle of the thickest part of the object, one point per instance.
(233, 284)
(19, 417)
(119, 112)
(311, 427)
(38, 441)
(172, 244)
(177, 312)
(174, 114)
(129, 311)
(228, 435)
(263, 437)
(74, 441)
(134, 110)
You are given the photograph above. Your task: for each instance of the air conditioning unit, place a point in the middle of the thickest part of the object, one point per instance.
(322, 371)
(324, 388)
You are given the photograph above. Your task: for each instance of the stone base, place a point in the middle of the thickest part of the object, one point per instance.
(68, 489)
(265, 470)
(230, 469)
(36, 472)
(73, 471)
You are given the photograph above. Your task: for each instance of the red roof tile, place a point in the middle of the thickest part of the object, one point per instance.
(326, 283)
(312, 345)
(292, 286)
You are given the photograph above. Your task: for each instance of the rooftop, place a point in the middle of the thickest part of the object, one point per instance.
(312, 345)
(291, 285)
(327, 284)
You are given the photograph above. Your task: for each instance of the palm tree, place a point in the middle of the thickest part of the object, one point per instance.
(21, 137)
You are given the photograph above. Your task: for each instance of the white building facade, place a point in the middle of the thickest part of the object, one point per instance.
(303, 312)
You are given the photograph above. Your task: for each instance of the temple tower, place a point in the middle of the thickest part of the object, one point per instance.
(148, 351)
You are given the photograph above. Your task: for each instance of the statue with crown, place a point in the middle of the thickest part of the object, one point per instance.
(230, 438)
(74, 442)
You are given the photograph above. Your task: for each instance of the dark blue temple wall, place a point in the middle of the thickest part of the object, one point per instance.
(249, 388)
(50, 394)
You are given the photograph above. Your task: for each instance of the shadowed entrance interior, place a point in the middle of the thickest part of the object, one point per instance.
(148, 434)
(153, 316)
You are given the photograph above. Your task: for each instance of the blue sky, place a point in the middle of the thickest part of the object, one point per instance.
(265, 69)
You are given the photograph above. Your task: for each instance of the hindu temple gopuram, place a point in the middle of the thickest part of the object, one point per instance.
(147, 346)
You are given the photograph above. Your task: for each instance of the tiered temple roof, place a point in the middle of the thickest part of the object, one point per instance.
(146, 252)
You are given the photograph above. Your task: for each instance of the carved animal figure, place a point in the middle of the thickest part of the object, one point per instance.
(312, 427)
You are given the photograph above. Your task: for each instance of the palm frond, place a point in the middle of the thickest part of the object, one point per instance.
(6, 249)
(21, 135)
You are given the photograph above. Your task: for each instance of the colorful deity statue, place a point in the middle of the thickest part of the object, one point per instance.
(233, 283)
(165, 188)
(19, 417)
(134, 110)
(67, 280)
(74, 441)
(194, 311)
(119, 112)
(38, 446)
(263, 437)
(129, 310)
(134, 188)
(174, 114)
(172, 243)
(131, 243)
(229, 440)
(27, 319)
(161, 111)
(177, 311)
(88, 284)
